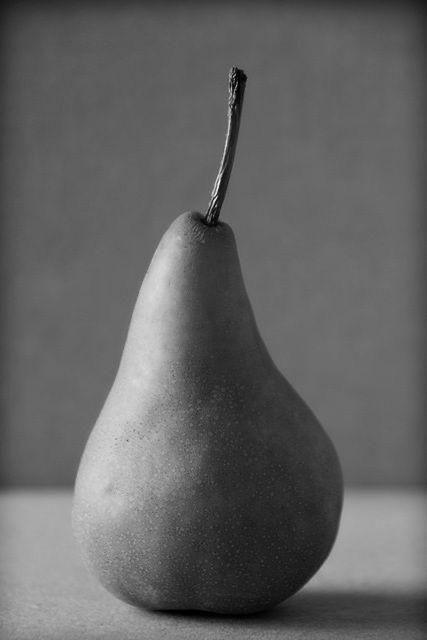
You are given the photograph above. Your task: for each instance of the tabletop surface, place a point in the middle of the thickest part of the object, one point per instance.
(371, 586)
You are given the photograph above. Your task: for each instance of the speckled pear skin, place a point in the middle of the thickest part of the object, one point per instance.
(207, 483)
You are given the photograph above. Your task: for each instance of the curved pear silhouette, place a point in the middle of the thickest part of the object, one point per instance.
(207, 483)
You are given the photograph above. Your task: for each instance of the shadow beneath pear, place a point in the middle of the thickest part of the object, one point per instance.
(326, 611)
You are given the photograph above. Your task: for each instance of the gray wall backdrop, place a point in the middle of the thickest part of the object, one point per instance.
(113, 118)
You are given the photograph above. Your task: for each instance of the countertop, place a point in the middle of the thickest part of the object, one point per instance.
(372, 585)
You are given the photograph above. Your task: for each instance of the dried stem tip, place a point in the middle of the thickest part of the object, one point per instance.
(236, 88)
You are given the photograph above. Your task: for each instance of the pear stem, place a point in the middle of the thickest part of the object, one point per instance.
(236, 90)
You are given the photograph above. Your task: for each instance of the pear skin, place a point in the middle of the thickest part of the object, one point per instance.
(207, 483)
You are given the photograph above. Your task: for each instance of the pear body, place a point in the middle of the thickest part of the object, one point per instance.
(207, 483)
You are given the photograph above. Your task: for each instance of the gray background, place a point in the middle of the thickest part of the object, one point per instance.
(113, 117)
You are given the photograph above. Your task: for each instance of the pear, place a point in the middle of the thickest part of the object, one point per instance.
(207, 483)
